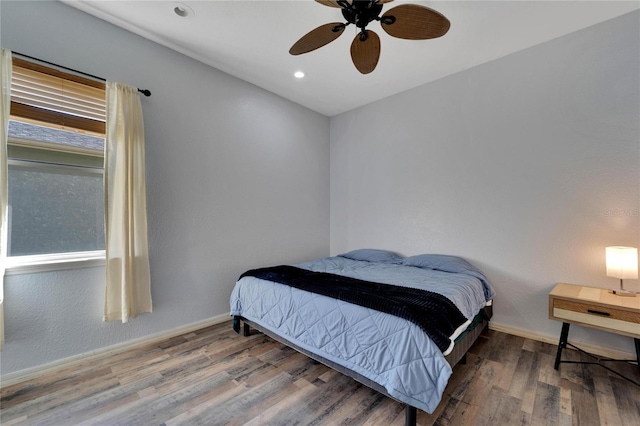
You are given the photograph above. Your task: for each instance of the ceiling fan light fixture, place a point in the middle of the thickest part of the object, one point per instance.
(298, 74)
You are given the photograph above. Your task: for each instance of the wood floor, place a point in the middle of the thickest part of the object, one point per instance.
(215, 377)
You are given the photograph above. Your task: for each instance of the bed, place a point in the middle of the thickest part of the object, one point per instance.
(395, 324)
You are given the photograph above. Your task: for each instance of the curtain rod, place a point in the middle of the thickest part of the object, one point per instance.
(145, 92)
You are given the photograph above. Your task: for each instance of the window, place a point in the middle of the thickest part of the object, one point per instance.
(55, 158)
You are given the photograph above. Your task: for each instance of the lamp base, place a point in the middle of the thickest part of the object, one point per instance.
(626, 293)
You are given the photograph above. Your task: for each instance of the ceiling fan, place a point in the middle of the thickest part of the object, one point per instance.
(407, 21)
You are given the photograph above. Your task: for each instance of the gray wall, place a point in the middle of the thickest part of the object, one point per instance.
(528, 166)
(236, 178)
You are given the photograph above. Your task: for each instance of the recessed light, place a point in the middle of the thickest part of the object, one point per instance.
(298, 74)
(182, 10)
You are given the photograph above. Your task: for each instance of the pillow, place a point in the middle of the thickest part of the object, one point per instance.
(374, 255)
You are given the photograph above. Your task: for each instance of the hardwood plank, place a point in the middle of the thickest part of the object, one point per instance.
(500, 409)
(15, 421)
(148, 360)
(483, 344)
(539, 347)
(606, 400)
(70, 416)
(259, 375)
(328, 398)
(528, 399)
(107, 418)
(584, 409)
(175, 383)
(255, 410)
(41, 387)
(571, 375)
(328, 375)
(355, 408)
(164, 407)
(49, 401)
(547, 374)
(478, 393)
(627, 401)
(224, 413)
(277, 354)
(522, 375)
(391, 413)
(546, 408)
(458, 384)
(565, 401)
(195, 408)
(101, 402)
(284, 408)
(505, 348)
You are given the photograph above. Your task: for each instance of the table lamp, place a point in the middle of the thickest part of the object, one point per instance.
(622, 262)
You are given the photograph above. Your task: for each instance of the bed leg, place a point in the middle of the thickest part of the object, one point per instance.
(463, 360)
(236, 324)
(246, 330)
(410, 416)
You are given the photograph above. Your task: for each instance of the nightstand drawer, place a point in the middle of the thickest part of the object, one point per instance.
(604, 317)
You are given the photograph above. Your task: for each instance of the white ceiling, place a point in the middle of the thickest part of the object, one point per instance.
(251, 40)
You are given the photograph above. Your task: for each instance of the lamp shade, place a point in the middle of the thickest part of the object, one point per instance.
(622, 262)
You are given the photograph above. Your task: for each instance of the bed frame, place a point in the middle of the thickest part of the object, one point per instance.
(457, 355)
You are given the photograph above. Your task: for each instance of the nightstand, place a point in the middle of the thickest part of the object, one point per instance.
(595, 308)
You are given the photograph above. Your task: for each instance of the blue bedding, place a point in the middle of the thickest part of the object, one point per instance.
(389, 350)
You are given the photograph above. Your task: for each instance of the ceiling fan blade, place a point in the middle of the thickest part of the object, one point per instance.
(331, 3)
(365, 53)
(414, 22)
(384, 1)
(317, 38)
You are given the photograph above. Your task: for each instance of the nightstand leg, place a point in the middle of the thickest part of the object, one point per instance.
(564, 335)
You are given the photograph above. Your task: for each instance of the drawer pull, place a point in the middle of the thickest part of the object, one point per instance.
(604, 314)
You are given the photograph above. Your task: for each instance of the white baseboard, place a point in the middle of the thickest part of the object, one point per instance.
(33, 372)
(594, 349)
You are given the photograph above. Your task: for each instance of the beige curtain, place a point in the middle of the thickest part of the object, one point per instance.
(5, 106)
(128, 289)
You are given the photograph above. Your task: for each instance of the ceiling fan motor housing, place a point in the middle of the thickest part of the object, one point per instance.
(361, 12)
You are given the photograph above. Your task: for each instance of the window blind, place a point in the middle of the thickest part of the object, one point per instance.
(46, 95)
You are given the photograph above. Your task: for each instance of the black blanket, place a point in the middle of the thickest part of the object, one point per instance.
(433, 313)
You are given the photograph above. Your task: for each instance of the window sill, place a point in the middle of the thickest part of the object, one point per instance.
(54, 262)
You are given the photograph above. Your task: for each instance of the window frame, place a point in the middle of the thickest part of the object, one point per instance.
(26, 264)
(29, 264)
(35, 263)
